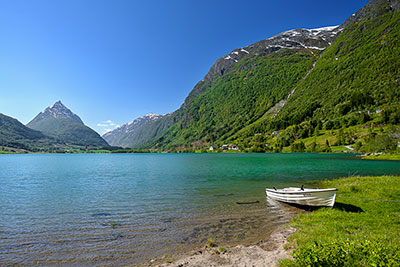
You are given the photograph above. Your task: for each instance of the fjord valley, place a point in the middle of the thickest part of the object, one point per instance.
(81, 187)
(327, 89)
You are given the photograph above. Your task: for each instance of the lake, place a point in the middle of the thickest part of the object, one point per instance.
(96, 209)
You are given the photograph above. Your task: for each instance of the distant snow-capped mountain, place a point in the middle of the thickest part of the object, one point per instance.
(122, 135)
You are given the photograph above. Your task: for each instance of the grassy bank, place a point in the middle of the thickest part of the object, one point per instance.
(361, 230)
(383, 157)
(7, 152)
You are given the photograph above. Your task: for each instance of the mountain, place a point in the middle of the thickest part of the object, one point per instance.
(241, 87)
(127, 134)
(299, 40)
(16, 135)
(238, 89)
(358, 72)
(61, 123)
(315, 77)
(57, 111)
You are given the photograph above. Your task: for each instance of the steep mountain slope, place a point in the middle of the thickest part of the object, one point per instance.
(290, 78)
(359, 72)
(238, 89)
(242, 86)
(319, 77)
(14, 134)
(125, 135)
(60, 122)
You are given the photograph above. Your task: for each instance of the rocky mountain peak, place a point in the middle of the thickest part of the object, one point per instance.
(59, 111)
(373, 9)
(309, 39)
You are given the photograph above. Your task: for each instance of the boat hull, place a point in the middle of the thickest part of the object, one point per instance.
(306, 197)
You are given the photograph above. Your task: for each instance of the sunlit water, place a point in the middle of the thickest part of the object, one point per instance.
(95, 209)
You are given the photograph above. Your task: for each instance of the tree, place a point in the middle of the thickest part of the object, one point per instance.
(316, 131)
(357, 146)
(313, 147)
(298, 147)
(364, 117)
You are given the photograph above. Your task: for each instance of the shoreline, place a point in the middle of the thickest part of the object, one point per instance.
(266, 252)
(356, 154)
(380, 156)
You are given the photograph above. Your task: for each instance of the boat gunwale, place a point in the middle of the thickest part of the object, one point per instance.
(279, 191)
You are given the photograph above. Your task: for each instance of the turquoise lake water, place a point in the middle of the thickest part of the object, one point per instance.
(95, 209)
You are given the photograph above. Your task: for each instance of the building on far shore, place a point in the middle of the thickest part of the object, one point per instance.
(230, 147)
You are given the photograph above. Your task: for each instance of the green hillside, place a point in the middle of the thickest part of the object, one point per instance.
(238, 98)
(61, 123)
(16, 135)
(354, 82)
(360, 71)
(150, 131)
(70, 132)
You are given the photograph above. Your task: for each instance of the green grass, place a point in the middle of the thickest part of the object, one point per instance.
(383, 157)
(222, 249)
(99, 151)
(339, 148)
(361, 230)
(7, 152)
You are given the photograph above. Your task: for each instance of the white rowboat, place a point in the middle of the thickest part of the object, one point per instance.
(304, 196)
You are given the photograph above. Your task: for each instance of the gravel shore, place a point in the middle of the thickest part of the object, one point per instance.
(265, 253)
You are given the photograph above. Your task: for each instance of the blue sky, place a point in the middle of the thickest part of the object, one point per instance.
(113, 61)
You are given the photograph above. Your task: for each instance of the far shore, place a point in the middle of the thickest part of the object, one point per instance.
(130, 151)
(381, 156)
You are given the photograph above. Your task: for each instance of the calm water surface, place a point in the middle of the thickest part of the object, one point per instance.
(89, 209)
